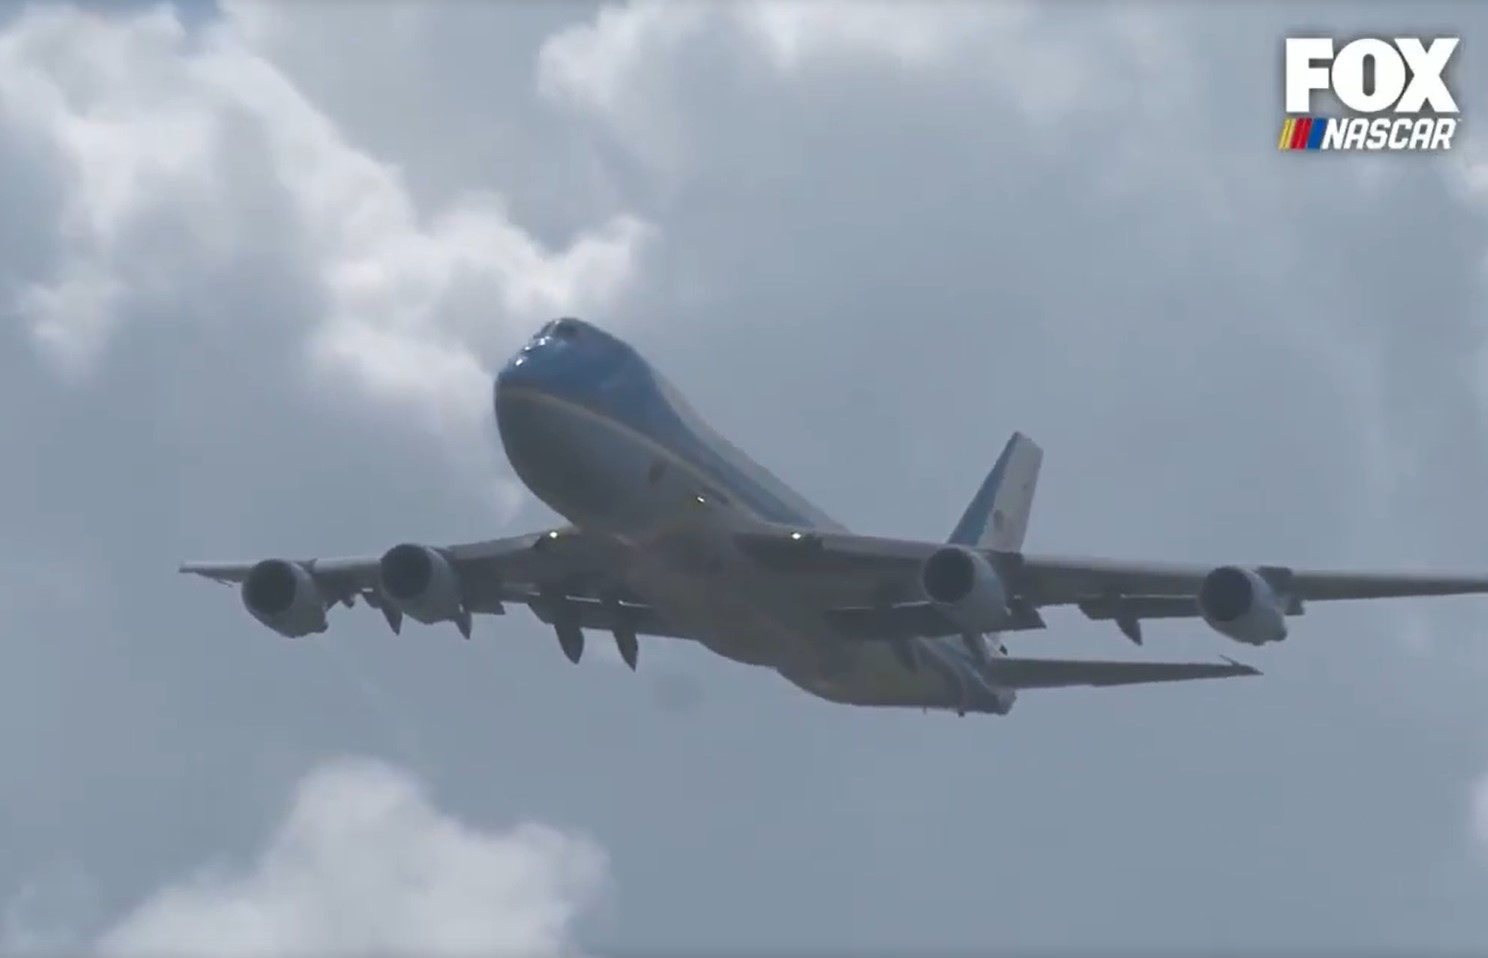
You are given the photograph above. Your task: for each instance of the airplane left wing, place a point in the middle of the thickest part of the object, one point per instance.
(567, 579)
(487, 571)
(527, 559)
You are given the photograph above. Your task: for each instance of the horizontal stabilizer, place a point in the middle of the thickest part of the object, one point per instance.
(1057, 673)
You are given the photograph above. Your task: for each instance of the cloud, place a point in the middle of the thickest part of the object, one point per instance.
(364, 863)
(1009, 103)
(625, 68)
(1222, 296)
(266, 259)
(183, 151)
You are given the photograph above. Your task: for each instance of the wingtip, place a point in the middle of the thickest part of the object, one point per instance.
(1241, 667)
(199, 569)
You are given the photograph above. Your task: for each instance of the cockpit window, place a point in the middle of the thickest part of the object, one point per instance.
(564, 330)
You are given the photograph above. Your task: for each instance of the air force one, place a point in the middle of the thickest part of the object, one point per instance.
(674, 532)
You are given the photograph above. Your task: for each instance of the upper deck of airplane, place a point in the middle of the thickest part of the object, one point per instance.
(576, 363)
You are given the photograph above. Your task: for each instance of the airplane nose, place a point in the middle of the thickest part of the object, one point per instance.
(522, 372)
(562, 358)
(517, 418)
(528, 374)
(515, 371)
(509, 379)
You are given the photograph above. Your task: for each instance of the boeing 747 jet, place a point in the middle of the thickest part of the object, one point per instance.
(672, 531)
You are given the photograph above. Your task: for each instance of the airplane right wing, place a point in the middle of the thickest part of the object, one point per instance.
(890, 567)
(1057, 673)
(1067, 580)
(875, 583)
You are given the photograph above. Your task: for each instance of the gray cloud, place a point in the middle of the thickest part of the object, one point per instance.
(869, 244)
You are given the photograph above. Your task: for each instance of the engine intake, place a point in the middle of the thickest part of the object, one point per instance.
(420, 582)
(284, 596)
(963, 584)
(1239, 604)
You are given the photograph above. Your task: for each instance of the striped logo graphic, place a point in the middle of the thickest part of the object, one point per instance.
(1302, 132)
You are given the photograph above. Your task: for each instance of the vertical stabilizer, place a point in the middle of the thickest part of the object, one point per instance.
(997, 517)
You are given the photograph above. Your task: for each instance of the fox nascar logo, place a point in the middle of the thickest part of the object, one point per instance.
(1395, 90)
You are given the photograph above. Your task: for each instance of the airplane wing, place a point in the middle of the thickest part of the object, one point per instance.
(557, 573)
(491, 571)
(1067, 580)
(1054, 673)
(873, 591)
(1052, 580)
(881, 576)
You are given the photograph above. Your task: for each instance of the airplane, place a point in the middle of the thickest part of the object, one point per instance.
(674, 532)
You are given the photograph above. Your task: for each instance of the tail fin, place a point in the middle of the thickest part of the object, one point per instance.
(997, 517)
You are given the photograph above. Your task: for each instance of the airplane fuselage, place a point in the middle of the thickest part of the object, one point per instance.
(601, 438)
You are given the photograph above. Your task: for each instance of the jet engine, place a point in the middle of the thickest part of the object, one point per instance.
(284, 596)
(421, 583)
(963, 585)
(1239, 604)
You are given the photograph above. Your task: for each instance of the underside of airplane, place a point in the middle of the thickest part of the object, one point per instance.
(673, 532)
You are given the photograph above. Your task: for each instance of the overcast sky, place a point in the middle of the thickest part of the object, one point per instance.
(258, 263)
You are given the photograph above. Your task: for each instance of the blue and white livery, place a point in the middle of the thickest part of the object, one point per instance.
(675, 532)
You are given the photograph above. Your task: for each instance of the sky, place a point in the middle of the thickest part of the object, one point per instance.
(258, 263)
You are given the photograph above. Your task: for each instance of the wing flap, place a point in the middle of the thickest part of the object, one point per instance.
(911, 619)
(1055, 580)
(603, 617)
(1140, 607)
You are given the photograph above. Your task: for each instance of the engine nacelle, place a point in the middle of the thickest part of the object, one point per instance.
(1239, 604)
(963, 584)
(285, 597)
(420, 583)
(1003, 701)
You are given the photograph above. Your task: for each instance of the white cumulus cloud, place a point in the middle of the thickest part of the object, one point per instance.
(364, 863)
(182, 152)
(628, 67)
(890, 231)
